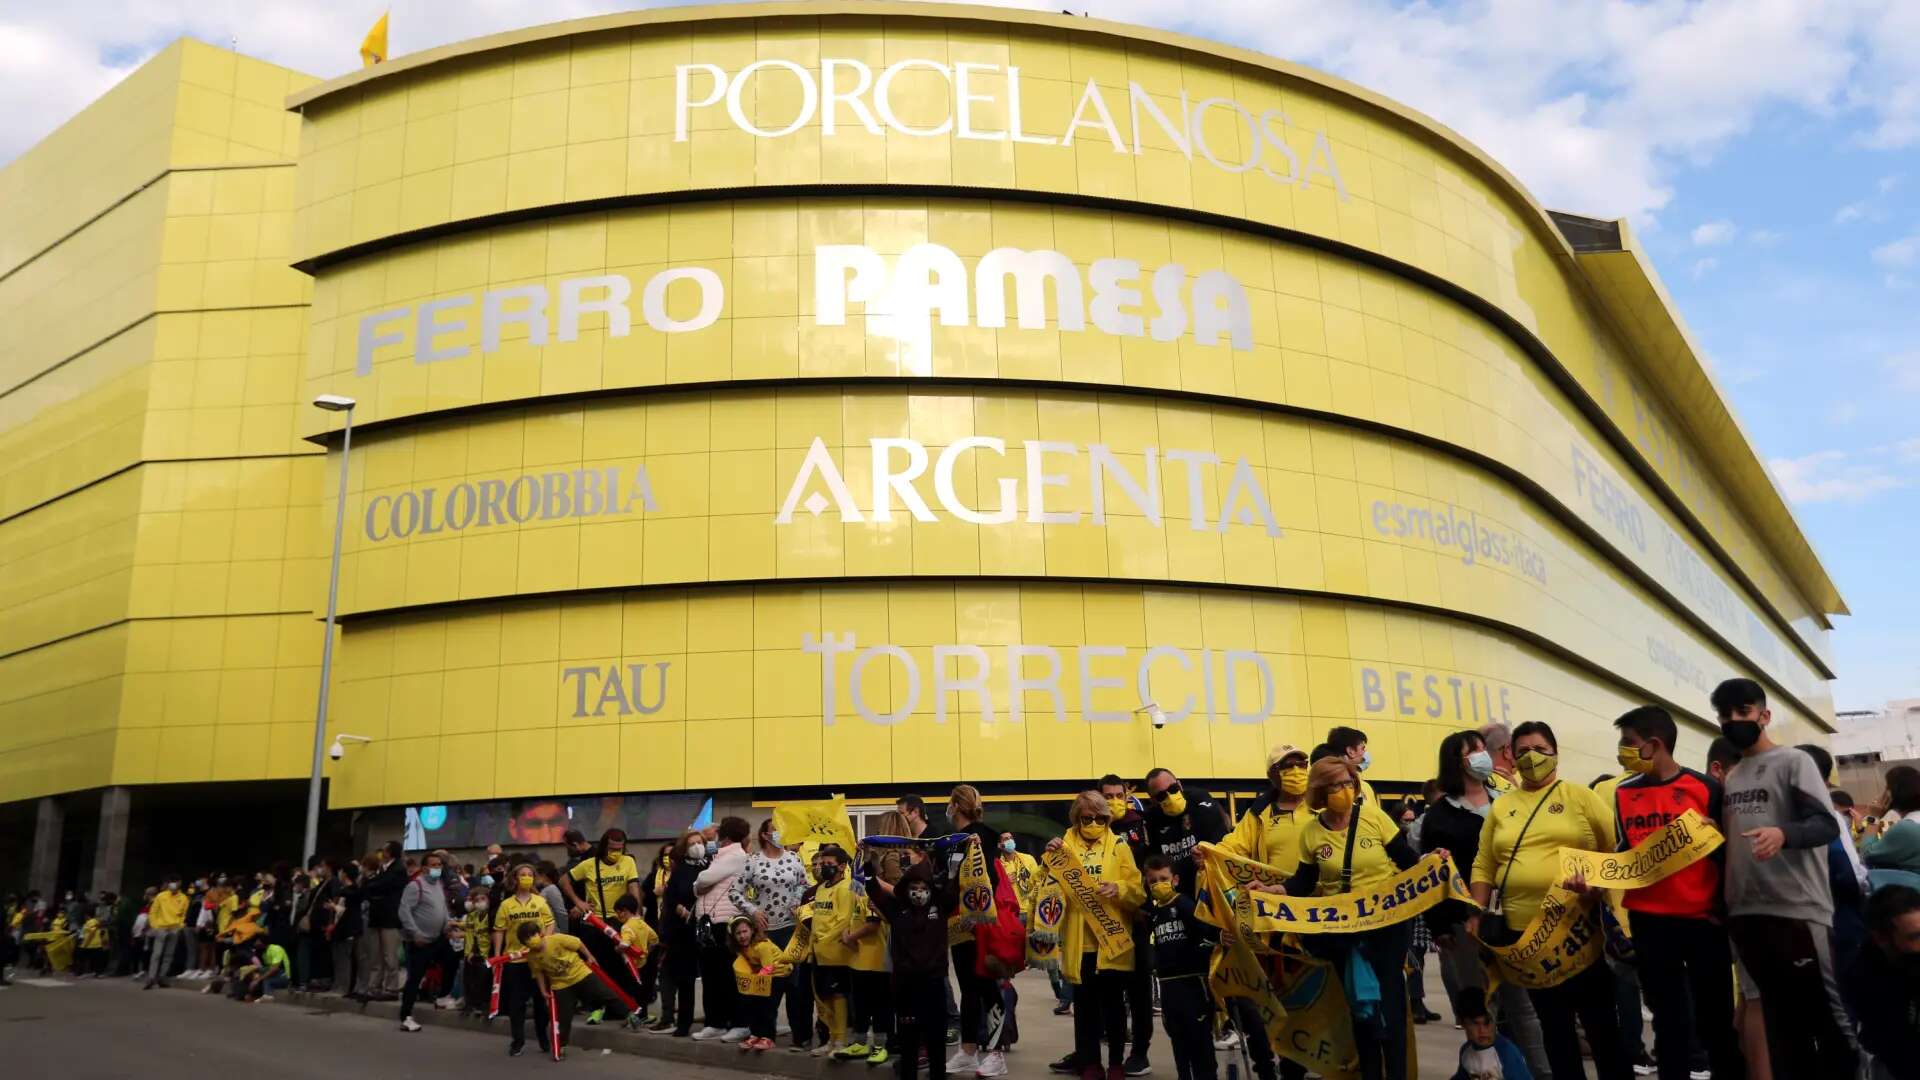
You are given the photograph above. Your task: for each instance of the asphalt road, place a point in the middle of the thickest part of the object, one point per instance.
(109, 1028)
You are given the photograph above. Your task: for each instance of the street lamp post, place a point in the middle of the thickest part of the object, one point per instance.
(343, 405)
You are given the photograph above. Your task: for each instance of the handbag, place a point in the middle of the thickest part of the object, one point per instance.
(1498, 933)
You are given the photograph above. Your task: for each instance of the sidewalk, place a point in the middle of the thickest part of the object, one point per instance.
(1043, 1038)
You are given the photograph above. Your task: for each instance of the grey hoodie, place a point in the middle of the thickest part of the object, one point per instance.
(423, 908)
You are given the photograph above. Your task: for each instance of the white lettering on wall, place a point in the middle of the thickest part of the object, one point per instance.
(846, 87)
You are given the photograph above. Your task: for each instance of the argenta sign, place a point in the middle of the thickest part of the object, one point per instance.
(847, 94)
(901, 298)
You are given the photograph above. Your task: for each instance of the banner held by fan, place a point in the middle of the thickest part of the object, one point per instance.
(1563, 939)
(1112, 935)
(1405, 895)
(1659, 855)
(816, 821)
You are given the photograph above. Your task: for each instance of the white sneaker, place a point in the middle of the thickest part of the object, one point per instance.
(961, 1061)
(734, 1035)
(264, 997)
(828, 1049)
(444, 1003)
(1227, 1041)
(409, 1024)
(782, 1029)
(707, 1033)
(993, 1063)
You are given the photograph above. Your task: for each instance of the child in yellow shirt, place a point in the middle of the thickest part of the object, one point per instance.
(756, 963)
(637, 940)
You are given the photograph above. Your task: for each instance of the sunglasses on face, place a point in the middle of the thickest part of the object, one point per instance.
(1169, 791)
(1095, 819)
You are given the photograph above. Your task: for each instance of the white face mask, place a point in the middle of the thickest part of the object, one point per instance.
(696, 852)
(774, 838)
(918, 897)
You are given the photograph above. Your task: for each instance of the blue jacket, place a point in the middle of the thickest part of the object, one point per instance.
(1512, 1065)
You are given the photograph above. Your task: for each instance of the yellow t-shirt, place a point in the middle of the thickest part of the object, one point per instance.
(760, 955)
(1500, 783)
(612, 882)
(1572, 816)
(1327, 848)
(562, 959)
(1021, 869)
(1271, 836)
(93, 935)
(168, 911)
(479, 940)
(512, 912)
(833, 914)
(637, 935)
(223, 915)
(870, 952)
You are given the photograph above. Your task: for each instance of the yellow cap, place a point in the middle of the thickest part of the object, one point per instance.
(1281, 752)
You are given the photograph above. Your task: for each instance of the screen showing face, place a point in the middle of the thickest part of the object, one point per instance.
(545, 821)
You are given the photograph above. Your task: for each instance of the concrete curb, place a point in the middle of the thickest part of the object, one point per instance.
(591, 1040)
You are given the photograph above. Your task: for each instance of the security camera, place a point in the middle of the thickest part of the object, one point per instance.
(1158, 716)
(336, 751)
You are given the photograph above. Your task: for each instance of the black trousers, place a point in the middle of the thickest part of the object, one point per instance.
(1686, 975)
(434, 954)
(921, 1002)
(871, 1008)
(1254, 1037)
(1099, 1013)
(1186, 1008)
(614, 963)
(800, 1004)
(589, 991)
(717, 991)
(1382, 1043)
(1587, 997)
(1140, 995)
(1791, 961)
(976, 997)
(517, 987)
(756, 1014)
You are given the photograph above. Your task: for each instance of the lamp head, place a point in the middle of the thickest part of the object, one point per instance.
(334, 403)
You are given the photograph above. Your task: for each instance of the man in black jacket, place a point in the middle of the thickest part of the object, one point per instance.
(1883, 984)
(1178, 821)
(382, 954)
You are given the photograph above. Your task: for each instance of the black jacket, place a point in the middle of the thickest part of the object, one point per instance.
(1177, 837)
(918, 935)
(1458, 830)
(383, 896)
(1885, 999)
(353, 920)
(1182, 944)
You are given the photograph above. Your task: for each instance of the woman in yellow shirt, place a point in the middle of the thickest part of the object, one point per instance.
(1350, 845)
(1519, 859)
(559, 964)
(524, 907)
(1100, 983)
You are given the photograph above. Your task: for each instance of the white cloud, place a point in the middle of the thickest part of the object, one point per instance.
(1592, 103)
(1836, 476)
(1886, 185)
(1714, 233)
(1898, 253)
(1702, 267)
(1765, 237)
(1853, 211)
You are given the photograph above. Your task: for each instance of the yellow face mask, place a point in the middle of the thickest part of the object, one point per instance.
(1293, 781)
(1535, 765)
(1175, 804)
(1117, 807)
(1633, 759)
(1092, 831)
(1340, 800)
(1162, 892)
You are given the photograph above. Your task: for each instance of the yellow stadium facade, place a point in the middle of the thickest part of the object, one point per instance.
(769, 400)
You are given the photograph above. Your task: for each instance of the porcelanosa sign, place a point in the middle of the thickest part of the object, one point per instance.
(846, 93)
(900, 297)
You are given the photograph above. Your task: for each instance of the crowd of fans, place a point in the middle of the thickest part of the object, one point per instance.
(1793, 952)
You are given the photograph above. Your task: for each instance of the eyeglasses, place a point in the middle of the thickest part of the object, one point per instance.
(1168, 792)
(1095, 819)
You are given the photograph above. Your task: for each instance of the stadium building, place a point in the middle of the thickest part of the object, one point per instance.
(760, 401)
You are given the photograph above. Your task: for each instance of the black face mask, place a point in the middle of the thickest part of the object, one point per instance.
(1741, 733)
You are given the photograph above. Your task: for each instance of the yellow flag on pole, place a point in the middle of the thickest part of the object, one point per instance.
(373, 50)
(815, 822)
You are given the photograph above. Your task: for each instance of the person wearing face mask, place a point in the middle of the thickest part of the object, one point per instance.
(1519, 855)
(1351, 844)
(980, 1050)
(914, 909)
(1129, 825)
(1351, 744)
(766, 891)
(1269, 832)
(524, 906)
(1182, 947)
(166, 923)
(1100, 982)
(423, 919)
(1177, 822)
(1778, 822)
(476, 979)
(677, 930)
(1454, 822)
(1023, 870)
(715, 910)
(607, 874)
(1499, 740)
(1685, 962)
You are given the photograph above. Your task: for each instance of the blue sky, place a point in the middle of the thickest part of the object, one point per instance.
(1767, 153)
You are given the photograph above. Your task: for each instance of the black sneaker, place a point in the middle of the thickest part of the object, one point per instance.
(1063, 1008)
(1069, 1065)
(1137, 1066)
(1643, 1065)
(953, 1036)
(516, 1049)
